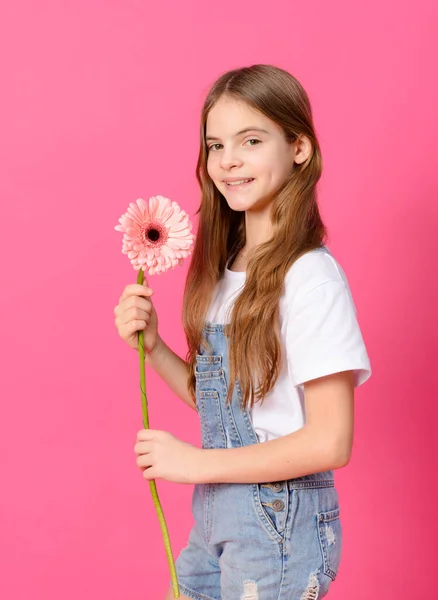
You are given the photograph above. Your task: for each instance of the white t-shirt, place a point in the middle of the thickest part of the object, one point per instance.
(319, 333)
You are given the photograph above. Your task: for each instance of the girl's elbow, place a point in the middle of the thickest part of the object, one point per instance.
(341, 456)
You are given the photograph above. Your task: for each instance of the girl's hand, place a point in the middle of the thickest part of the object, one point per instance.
(162, 456)
(136, 312)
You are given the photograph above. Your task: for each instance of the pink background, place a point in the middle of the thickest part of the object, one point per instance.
(100, 105)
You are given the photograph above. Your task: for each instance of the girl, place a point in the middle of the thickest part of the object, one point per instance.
(274, 354)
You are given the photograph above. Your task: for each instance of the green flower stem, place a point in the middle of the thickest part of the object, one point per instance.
(152, 483)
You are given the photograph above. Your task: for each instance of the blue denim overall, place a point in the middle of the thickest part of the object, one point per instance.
(271, 541)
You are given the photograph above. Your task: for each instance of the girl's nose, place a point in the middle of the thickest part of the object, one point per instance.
(229, 159)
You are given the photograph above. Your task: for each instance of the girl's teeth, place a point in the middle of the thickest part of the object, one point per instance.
(239, 182)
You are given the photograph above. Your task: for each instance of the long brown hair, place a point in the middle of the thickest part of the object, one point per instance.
(297, 225)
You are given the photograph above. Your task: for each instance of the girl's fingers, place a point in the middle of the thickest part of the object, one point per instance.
(135, 326)
(135, 314)
(144, 460)
(138, 295)
(134, 302)
(135, 289)
(143, 447)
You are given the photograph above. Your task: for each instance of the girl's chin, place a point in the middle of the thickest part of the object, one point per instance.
(257, 205)
(234, 204)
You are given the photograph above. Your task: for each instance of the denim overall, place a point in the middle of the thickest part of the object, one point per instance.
(269, 541)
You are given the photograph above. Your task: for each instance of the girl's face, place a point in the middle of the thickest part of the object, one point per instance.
(263, 156)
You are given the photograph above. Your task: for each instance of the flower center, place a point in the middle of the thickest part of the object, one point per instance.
(153, 235)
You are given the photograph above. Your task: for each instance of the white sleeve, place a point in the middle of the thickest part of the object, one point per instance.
(324, 337)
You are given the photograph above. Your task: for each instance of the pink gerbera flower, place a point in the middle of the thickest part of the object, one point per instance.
(156, 237)
(156, 234)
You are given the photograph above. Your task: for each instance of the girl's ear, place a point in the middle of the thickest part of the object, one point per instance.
(303, 149)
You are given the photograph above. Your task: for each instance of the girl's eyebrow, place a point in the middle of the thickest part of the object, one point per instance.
(246, 130)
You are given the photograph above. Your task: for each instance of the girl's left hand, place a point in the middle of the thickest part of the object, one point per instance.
(162, 456)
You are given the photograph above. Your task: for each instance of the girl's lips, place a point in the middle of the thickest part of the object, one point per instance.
(239, 186)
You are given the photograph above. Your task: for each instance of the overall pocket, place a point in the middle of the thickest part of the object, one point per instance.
(209, 373)
(210, 387)
(208, 364)
(330, 540)
(212, 424)
(272, 506)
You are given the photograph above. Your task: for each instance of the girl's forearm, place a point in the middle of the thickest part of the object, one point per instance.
(172, 369)
(297, 454)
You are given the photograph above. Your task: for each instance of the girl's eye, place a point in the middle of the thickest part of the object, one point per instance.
(250, 140)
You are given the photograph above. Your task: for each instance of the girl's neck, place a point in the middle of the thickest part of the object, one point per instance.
(240, 260)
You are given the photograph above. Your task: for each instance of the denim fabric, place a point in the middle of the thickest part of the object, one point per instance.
(271, 541)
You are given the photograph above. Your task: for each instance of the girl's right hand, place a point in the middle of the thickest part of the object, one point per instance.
(135, 312)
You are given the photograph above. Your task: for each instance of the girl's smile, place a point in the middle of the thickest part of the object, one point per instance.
(239, 185)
